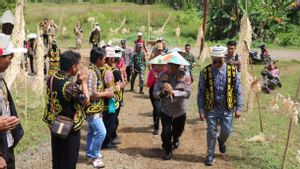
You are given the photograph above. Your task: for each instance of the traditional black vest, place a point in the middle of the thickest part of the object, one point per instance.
(209, 87)
(63, 104)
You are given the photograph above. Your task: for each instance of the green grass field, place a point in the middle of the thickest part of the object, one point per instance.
(111, 16)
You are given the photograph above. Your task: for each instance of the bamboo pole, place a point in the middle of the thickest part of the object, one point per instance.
(18, 38)
(259, 111)
(26, 99)
(204, 25)
(287, 144)
(149, 20)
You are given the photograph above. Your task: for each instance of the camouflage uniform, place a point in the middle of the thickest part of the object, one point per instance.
(138, 64)
(191, 59)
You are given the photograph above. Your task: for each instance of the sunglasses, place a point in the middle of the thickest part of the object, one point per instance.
(217, 62)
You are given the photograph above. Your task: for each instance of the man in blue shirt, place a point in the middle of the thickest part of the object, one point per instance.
(219, 97)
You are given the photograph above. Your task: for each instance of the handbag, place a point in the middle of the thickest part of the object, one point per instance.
(62, 125)
(111, 106)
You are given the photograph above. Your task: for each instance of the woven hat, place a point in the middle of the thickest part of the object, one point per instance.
(177, 59)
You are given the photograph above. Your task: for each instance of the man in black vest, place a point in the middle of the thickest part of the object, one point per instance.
(219, 99)
(11, 130)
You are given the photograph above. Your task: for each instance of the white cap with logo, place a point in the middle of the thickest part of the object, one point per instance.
(218, 51)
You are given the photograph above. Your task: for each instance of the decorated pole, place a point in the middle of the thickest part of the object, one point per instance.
(204, 25)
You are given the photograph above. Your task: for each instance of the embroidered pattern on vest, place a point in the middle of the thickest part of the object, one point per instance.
(96, 106)
(209, 88)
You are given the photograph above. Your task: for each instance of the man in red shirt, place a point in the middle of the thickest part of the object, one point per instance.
(140, 40)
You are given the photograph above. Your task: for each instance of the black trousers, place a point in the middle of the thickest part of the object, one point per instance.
(155, 111)
(11, 159)
(128, 73)
(46, 39)
(114, 133)
(109, 120)
(65, 151)
(31, 63)
(171, 128)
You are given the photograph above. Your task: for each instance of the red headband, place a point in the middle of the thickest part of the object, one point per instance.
(1, 51)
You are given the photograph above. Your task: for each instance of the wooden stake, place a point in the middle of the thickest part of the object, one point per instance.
(259, 111)
(298, 89)
(287, 144)
(149, 20)
(25, 90)
(204, 25)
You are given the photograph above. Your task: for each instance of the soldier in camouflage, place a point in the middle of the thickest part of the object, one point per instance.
(138, 65)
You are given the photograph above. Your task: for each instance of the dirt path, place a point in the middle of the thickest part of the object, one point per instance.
(139, 148)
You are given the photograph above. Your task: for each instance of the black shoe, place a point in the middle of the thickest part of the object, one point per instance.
(141, 91)
(109, 146)
(116, 140)
(167, 155)
(155, 132)
(176, 143)
(210, 160)
(222, 146)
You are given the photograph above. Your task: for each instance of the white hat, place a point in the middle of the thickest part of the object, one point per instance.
(98, 27)
(8, 47)
(118, 49)
(8, 17)
(109, 43)
(218, 51)
(110, 52)
(140, 34)
(32, 36)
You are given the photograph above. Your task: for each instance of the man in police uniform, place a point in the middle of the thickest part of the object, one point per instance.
(219, 97)
(173, 88)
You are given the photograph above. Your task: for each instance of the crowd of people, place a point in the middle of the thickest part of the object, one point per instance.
(95, 94)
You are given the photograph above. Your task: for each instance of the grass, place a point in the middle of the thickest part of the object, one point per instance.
(110, 16)
(36, 131)
(268, 155)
